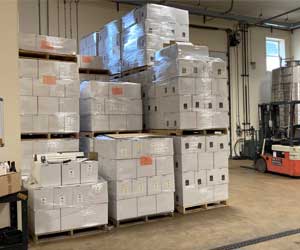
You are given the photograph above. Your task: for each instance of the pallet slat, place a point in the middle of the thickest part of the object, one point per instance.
(47, 55)
(135, 70)
(93, 134)
(202, 207)
(140, 219)
(25, 136)
(216, 131)
(94, 71)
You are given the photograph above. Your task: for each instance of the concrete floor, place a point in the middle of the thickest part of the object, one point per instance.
(259, 205)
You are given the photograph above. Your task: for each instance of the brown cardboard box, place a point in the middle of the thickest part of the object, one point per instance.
(10, 183)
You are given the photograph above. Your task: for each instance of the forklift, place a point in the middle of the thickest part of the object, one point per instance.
(279, 146)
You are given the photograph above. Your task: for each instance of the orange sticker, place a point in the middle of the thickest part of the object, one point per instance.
(46, 45)
(49, 80)
(145, 160)
(117, 91)
(87, 59)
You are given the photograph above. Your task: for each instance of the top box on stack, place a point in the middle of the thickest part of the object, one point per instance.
(106, 44)
(146, 29)
(50, 44)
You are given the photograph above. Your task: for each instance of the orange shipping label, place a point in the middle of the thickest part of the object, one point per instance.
(87, 59)
(145, 160)
(49, 80)
(44, 44)
(117, 91)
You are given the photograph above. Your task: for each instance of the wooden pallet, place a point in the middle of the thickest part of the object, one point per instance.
(68, 234)
(96, 133)
(25, 136)
(47, 55)
(217, 131)
(202, 207)
(141, 219)
(94, 71)
(135, 70)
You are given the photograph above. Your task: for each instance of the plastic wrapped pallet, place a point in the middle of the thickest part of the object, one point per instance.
(146, 29)
(31, 147)
(189, 92)
(70, 194)
(106, 106)
(89, 44)
(50, 44)
(286, 87)
(49, 96)
(201, 170)
(140, 173)
(110, 46)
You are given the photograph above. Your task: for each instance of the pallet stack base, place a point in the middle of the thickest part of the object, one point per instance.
(202, 207)
(141, 219)
(69, 234)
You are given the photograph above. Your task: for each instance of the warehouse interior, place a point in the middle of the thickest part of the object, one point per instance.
(257, 41)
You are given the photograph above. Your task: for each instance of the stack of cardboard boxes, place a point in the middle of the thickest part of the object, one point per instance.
(140, 173)
(286, 87)
(201, 169)
(66, 196)
(49, 95)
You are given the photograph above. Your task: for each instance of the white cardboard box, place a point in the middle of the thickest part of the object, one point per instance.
(205, 160)
(145, 166)
(146, 205)
(186, 162)
(98, 192)
(165, 202)
(47, 174)
(28, 105)
(48, 105)
(123, 209)
(26, 86)
(74, 218)
(189, 144)
(221, 192)
(164, 165)
(63, 196)
(44, 221)
(121, 189)
(70, 173)
(41, 198)
(139, 187)
(119, 169)
(221, 159)
(89, 172)
(154, 185)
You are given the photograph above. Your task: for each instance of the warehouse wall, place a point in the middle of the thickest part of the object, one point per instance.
(94, 14)
(296, 44)
(9, 88)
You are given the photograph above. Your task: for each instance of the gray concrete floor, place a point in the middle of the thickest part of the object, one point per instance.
(259, 205)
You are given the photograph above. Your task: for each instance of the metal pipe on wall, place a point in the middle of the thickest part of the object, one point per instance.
(48, 25)
(39, 17)
(77, 23)
(65, 17)
(70, 11)
(58, 18)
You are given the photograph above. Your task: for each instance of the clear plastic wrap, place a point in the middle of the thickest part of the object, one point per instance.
(140, 173)
(89, 44)
(201, 169)
(106, 106)
(51, 44)
(109, 46)
(71, 206)
(90, 62)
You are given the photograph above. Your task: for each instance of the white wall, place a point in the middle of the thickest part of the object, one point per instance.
(94, 14)
(296, 44)
(9, 88)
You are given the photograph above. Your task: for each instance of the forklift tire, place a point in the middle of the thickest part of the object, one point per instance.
(261, 165)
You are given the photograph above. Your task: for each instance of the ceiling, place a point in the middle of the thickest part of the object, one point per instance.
(253, 8)
(249, 11)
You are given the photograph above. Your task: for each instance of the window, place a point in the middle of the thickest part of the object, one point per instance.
(275, 50)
